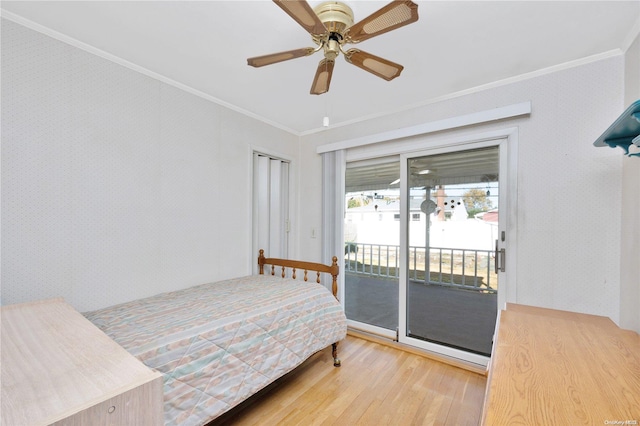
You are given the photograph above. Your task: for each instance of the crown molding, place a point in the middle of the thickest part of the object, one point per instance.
(137, 68)
(481, 88)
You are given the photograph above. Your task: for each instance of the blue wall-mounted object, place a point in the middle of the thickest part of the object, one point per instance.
(624, 131)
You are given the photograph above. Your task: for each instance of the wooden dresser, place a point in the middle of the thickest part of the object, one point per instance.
(553, 367)
(58, 368)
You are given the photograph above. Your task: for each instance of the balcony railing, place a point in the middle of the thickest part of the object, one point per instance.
(463, 268)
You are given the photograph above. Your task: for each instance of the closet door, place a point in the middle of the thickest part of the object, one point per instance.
(270, 205)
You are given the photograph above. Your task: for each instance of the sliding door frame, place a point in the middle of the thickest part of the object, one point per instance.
(507, 138)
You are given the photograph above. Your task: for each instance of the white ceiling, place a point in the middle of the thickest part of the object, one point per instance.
(454, 46)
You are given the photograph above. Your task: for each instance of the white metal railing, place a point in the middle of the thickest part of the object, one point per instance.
(464, 268)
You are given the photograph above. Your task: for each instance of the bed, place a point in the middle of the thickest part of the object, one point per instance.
(217, 344)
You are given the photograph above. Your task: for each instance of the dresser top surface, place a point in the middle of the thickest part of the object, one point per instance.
(56, 362)
(559, 367)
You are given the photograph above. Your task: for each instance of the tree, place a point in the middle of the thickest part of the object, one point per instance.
(475, 200)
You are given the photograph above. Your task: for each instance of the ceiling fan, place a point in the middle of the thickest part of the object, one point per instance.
(331, 27)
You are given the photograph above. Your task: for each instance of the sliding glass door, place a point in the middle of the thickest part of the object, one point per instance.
(420, 257)
(451, 281)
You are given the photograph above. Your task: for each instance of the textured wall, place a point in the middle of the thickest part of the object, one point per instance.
(569, 192)
(115, 185)
(630, 211)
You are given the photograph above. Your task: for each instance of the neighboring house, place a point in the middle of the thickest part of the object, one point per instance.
(377, 223)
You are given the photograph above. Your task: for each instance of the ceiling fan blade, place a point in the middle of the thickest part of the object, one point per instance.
(323, 77)
(374, 64)
(260, 61)
(303, 14)
(396, 14)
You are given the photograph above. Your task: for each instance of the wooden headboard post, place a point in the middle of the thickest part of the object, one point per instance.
(335, 269)
(261, 262)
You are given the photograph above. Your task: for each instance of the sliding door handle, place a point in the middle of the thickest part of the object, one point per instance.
(499, 259)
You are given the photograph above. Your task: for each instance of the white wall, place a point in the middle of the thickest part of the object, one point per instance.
(569, 192)
(115, 185)
(630, 211)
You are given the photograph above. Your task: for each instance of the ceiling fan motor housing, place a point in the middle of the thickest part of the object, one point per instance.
(336, 16)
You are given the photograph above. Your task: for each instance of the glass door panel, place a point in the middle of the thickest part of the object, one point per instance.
(372, 248)
(452, 227)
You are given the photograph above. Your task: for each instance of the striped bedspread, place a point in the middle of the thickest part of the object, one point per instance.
(217, 344)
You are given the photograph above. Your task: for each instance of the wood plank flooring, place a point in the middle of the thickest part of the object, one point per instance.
(376, 385)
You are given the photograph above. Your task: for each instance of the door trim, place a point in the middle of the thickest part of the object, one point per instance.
(452, 123)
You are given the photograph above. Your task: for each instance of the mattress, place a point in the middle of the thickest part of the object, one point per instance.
(217, 344)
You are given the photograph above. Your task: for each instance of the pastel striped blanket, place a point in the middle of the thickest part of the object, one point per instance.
(217, 344)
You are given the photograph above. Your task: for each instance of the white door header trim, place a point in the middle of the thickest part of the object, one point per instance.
(509, 111)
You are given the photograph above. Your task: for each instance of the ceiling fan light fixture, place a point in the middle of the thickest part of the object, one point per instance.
(331, 49)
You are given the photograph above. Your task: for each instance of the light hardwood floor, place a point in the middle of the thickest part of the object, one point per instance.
(376, 385)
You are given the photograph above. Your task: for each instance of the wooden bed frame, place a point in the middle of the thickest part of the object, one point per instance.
(296, 265)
